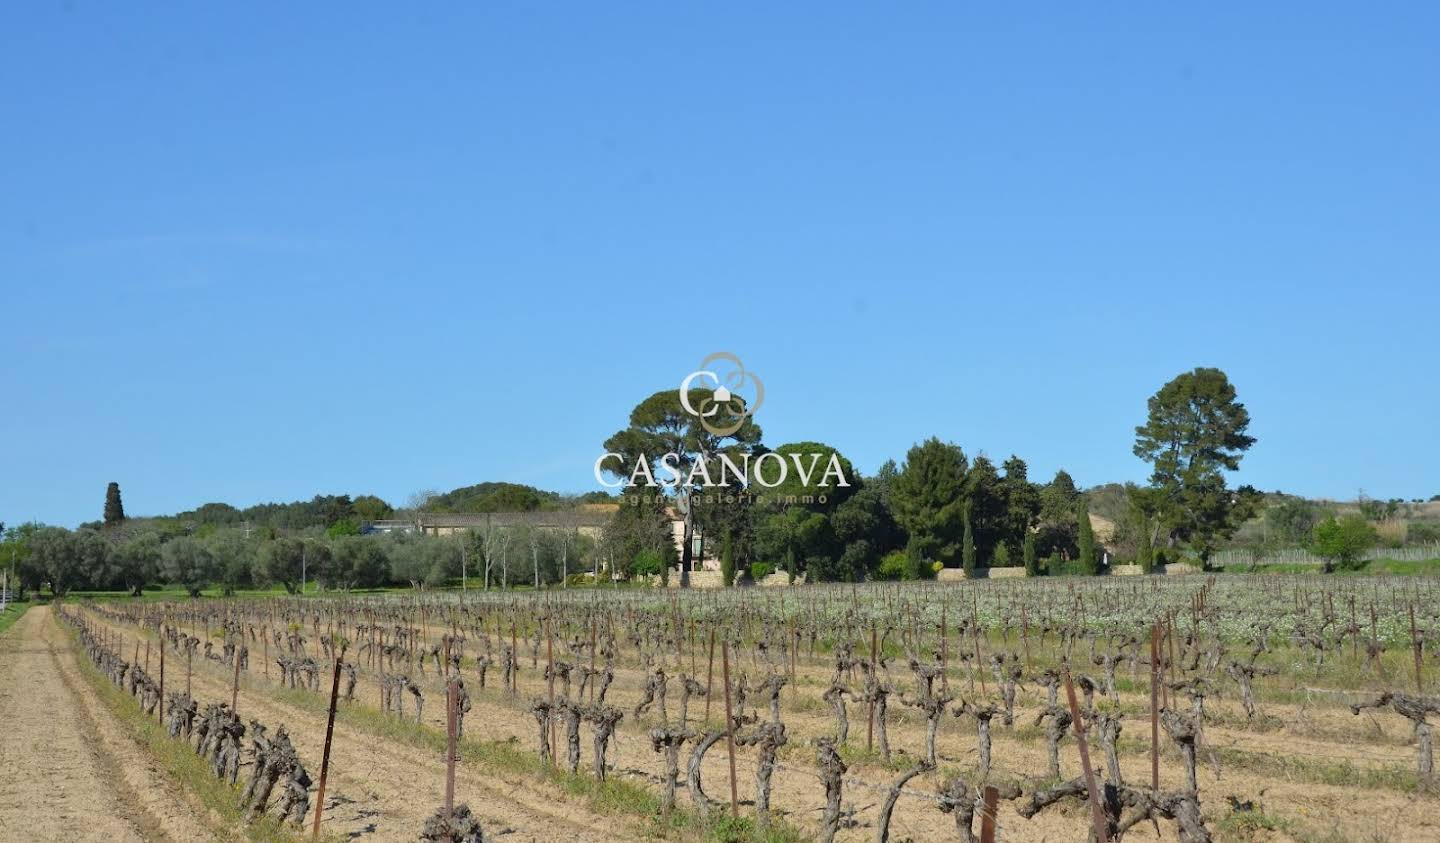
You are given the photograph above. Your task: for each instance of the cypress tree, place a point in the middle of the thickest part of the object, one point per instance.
(727, 562)
(669, 560)
(967, 548)
(1087, 560)
(1032, 565)
(915, 559)
(1146, 558)
(114, 510)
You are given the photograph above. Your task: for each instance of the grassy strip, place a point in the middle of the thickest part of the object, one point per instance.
(12, 614)
(1371, 568)
(614, 796)
(183, 766)
(1245, 825)
(1321, 771)
(1300, 770)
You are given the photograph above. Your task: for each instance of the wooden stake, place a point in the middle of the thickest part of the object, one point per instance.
(325, 756)
(1418, 645)
(944, 648)
(451, 698)
(550, 669)
(874, 672)
(979, 667)
(710, 675)
(1155, 707)
(1097, 812)
(729, 729)
(235, 683)
(987, 815)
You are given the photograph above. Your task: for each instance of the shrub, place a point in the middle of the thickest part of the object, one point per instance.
(1343, 541)
(895, 565)
(1424, 532)
(648, 563)
(761, 570)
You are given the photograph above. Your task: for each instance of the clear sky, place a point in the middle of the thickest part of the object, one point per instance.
(254, 252)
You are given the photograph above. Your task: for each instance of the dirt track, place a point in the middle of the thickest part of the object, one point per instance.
(67, 769)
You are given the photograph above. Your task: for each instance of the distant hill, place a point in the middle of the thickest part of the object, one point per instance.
(325, 510)
(492, 497)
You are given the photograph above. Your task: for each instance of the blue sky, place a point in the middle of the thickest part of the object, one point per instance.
(257, 253)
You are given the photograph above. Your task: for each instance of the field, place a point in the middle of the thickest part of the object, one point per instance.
(940, 675)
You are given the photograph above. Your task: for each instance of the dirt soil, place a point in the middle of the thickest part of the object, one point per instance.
(68, 769)
(382, 789)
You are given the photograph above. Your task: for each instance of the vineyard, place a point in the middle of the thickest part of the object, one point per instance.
(1229, 708)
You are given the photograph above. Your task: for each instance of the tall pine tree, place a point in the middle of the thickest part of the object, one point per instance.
(1194, 434)
(114, 510)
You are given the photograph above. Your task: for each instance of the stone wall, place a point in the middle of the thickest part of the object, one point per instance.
(958, 574)
(698, 579)
(780, 578)
(712, 579)
(1176, 568)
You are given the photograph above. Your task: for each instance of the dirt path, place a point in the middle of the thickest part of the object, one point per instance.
(68, 770)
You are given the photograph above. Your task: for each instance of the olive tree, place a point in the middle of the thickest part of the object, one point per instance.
(185, 561)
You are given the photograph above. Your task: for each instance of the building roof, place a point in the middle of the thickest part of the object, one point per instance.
(556, 518)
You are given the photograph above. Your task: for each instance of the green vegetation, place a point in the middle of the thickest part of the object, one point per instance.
(1369, 568)
(1195, 433)
(938, 508)
(1086, 561)
(114, 509)
(727, 561)
(1342, 541)
(490, 497)
(12, 614)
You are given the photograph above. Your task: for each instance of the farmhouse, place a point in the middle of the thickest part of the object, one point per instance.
(588, 520)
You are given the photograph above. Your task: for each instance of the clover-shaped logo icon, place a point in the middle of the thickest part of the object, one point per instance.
(723, 411)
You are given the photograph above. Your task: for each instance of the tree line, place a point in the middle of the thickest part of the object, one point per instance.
(59, 560)
(939, 507)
